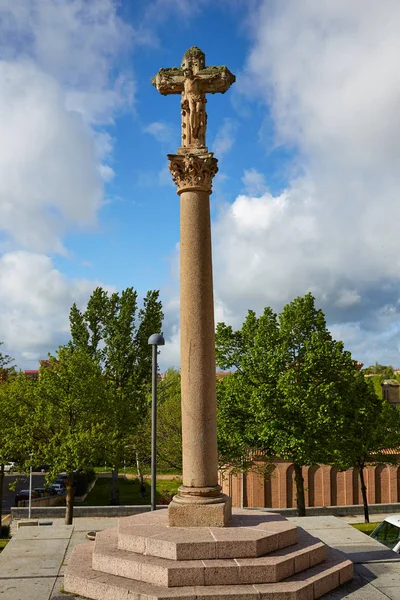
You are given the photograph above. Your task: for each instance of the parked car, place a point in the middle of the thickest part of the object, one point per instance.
(24, 495)
(60, 481)
(40, 491)
(59, 487)
(388, 533)
(51, 491)
(9, 467)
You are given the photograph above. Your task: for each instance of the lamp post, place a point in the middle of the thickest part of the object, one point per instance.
(30, 486)
(154, 340)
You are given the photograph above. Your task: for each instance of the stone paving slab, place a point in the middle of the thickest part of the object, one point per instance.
(30, 588)
(359, 548)
(36, 558)
(377, 569)
(45, 533)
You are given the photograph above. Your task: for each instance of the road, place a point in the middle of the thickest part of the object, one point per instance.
(23, 484)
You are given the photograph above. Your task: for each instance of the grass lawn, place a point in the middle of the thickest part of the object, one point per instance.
(129, 491)
(366, 528)
(3, 543)
(133, 470)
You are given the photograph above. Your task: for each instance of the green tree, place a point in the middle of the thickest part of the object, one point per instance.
(291, 382)
(69, 423)
(169, 426)
(169, 422)
(6, 366)
(366, 427)
(115, 332)
(16, 411)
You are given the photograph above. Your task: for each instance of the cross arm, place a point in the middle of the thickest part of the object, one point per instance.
(169, 81)
(216, 79)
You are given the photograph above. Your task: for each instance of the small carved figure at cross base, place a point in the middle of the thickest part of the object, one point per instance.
(193, 80)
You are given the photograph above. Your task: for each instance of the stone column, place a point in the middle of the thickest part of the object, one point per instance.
(199, 501)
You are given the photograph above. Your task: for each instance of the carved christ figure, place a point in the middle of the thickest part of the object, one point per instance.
(194, 116)
(193, 80)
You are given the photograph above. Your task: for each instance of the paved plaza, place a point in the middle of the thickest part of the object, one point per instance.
(33, 563)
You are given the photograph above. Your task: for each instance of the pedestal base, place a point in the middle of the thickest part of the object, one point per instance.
(197, 512)
(261, 556)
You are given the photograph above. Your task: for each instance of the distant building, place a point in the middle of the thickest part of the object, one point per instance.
(34, 373)
(222, 374)
(390, 391)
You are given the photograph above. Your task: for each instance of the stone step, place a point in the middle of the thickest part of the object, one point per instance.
(310, 584)
(250, 534)
(108, 558)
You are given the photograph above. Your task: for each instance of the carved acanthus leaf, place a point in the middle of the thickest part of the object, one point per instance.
(193, 171)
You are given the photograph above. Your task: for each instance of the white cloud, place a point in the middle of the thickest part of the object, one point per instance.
(328, 73)
(49, 175)
(224, 138)
(60, 86)
(161, 131)
(56, 78)
(35, 299)
(75, 43)
(254, 182)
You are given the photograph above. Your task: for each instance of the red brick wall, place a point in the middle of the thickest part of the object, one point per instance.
(324, 486)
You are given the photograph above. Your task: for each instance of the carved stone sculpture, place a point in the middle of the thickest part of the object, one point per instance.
(193, 80)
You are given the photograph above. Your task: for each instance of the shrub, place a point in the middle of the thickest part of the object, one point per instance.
(4, 531)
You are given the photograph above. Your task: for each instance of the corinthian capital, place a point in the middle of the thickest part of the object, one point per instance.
(193, 171)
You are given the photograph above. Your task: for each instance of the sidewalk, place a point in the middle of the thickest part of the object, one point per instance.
(33, 563)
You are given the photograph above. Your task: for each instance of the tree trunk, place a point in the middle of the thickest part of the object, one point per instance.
(364, 492)
(114, 488)
(69, 512)
(1, 492)
(300, 498)
(139, 470)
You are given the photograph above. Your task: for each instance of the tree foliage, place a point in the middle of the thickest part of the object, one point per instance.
(368, 426)
(6, 365)
(169, 426)
(169, 422)
(292, 389)
(15, 412)
(115, 332)
(69, 424)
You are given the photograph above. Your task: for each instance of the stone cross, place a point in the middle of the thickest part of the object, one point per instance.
(199, 501)
(193, 80)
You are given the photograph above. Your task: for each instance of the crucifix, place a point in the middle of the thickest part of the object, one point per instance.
(193, 80)
(199, 501)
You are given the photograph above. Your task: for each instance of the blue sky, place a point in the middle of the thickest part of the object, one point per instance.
(307, 139)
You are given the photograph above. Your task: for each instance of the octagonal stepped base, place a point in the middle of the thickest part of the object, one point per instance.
(310, 584)
(250, 534)
(278, 565)
(260, 555)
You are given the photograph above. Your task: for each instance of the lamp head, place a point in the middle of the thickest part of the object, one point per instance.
(156, 340)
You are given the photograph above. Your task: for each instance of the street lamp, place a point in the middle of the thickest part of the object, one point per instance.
(154, 340)
(30, 486)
